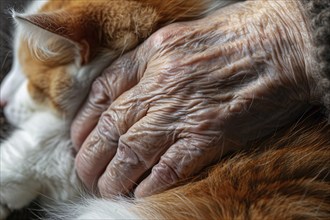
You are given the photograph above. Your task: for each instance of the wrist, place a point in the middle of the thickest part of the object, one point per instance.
(277, 35)
(286, 37)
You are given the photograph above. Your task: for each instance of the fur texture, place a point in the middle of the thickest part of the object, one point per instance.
(57, 61)
(318, 12)
(60, 47)
(286, 178)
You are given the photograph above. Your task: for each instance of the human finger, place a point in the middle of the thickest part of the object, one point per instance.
(101, 145)
(182, 160)
(138, 150)
(115, 80)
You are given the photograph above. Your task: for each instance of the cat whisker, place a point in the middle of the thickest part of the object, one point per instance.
(36, 211)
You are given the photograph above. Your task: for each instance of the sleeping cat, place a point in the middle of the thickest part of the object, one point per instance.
(56, 49)
(60, 46)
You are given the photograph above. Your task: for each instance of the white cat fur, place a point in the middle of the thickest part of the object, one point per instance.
(37, 160)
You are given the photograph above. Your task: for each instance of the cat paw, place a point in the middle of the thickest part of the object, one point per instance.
(16, 191)
(15, 197)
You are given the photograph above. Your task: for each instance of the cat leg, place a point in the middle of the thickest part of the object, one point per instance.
(18, 186)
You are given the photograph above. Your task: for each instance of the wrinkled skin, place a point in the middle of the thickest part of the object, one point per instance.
(191, 93)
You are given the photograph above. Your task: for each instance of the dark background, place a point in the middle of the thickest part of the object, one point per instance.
(6, 54)
(6, 43)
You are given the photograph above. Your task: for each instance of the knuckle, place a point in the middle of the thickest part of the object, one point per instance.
(106, 131)
(127, 154)
(120, 66)
(166, 34)
(165, 173)
(100, 96)
(98, 85)
(96, 147)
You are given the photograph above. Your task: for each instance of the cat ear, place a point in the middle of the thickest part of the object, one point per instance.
(65, 30)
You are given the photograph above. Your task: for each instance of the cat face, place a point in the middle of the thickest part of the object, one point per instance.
(62, 45)
(41, 78)
(59, 49)
(44, 85)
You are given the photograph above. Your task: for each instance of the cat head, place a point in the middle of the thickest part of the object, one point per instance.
(59, 50)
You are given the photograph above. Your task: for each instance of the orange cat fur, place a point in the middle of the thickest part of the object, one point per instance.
(289, 180)
(57, 53)
(94, 27)
(284, 177)
(60, 47)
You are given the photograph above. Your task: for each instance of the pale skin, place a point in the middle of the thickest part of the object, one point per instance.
(190, 94)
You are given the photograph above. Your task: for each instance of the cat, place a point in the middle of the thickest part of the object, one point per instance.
(287, 178)
(60, 47)
(283, 177)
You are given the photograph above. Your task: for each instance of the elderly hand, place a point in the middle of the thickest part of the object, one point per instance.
(192, 92)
